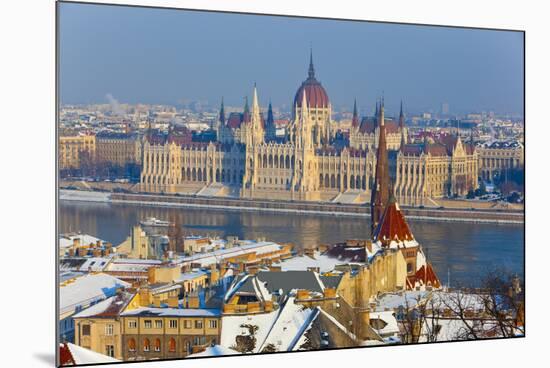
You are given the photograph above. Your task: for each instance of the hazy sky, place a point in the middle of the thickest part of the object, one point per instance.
(141, 55)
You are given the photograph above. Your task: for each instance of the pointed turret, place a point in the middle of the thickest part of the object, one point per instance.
(222, 113)
(402, 126)
(256, 122)
(355, 119)
(255, 104)
(270, 119)
(381, 189)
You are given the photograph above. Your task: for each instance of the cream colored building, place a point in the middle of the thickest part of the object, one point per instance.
(118, 148)
(247, 162)
(498, 156)
(435, 170)
(73, 149)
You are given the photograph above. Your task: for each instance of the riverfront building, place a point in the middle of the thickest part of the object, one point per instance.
(496, 157)
(76, 150)
(310, 164)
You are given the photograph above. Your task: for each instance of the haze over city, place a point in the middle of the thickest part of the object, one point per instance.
(141, 55)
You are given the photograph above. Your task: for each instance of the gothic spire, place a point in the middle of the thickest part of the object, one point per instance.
(255, 103)
(270, 119)
(311, 71)
(222, 113)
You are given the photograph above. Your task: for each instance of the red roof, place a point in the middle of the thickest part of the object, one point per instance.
(368, 125)
(235, 120)
(315, 94)
(393, 225)
(425, 276)
(65, 355)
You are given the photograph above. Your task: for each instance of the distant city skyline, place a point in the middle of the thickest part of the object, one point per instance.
(163, 56)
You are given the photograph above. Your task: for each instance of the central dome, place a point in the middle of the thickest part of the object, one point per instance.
(315, 93)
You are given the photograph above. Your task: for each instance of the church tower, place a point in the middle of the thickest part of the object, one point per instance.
(381, 189)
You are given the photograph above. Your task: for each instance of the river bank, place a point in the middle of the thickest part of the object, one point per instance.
(282, 207)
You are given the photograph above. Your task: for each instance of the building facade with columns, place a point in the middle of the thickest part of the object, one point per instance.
(307, 164)
(496, 157)
(435, 169)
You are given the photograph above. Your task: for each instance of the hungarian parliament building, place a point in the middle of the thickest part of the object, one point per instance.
(309, 163)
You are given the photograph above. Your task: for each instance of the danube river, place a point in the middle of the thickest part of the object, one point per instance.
(462, 250)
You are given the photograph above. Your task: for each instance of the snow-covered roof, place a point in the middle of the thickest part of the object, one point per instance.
(293, 321)
(191, 275)
(284, 328)
(107, 308)
(131, 265)
(388, 317)
(392, 301)
(172, 312)
(95, 264)
(216, 350)
(303, 262)
(86, 289)
(66, 240)
(245, 247)
(232, 327)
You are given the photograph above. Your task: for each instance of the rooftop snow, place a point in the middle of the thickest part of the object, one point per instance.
(172, 312)
(86, 289)
(301, 263)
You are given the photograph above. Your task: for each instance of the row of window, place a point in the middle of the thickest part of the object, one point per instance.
(173, 323)
(172, 344)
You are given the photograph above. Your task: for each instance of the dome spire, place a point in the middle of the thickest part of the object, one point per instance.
(311, 71)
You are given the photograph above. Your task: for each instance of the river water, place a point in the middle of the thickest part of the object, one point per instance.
(463, 251)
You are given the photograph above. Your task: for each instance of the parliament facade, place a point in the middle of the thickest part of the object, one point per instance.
(309, 163)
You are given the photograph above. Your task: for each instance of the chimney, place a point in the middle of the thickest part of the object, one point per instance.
(302, 294)
(151, 273)
(329, 293)
(310, 252)
(144, 296)
(193, 301)
(173, 301)
(156, 301)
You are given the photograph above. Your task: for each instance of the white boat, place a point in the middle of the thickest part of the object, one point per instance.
(154, 222)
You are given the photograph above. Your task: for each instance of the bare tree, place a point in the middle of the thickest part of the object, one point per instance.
(495, 309)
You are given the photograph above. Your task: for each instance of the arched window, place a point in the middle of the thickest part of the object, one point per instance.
(172, 345)
(132, 344)
(146, 345)
(157, 345)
